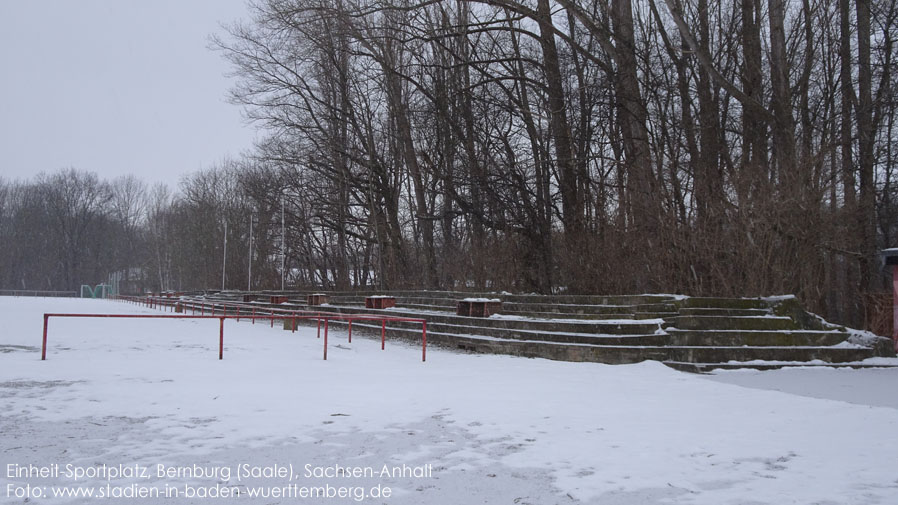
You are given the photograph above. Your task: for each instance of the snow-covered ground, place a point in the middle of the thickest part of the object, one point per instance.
(139, 393)
(876, 387)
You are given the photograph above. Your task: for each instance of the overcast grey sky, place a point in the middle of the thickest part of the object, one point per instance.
(116, 87)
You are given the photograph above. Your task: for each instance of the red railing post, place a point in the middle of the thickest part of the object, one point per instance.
(44, 345)
(221, 338)
(383, 333)
(254, 315)
(325, 339)
(319, 325)
(350, 330)
(423, 340)
(272, 318)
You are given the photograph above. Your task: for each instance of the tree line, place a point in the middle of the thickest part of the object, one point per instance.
(739, 147)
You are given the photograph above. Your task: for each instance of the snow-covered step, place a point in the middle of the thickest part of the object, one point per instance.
(584, 299)
(735, 338)
(597, 326)
(774, 365)
(722, 311)
(734, 323)
(557, 315)
(707, 354)
(609, 349)
(656, 315)
(728, 303)
(566, 308)
(651, 339)
(419, 306)
(564, 351)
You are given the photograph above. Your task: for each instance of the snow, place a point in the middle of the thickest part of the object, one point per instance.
(673, 296)
(778, 298)
(814, 363)
(858, 387)
(481, 300)
(497, 429)
(862, 337)
(511, 317)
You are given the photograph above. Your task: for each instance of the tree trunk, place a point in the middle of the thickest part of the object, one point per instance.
(865, 131)
(568, 180)
(641, 184)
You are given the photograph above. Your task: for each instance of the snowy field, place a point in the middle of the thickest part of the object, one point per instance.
(145, 397)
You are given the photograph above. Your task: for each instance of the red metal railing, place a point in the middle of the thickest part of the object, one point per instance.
(166, 303)
(136, 316)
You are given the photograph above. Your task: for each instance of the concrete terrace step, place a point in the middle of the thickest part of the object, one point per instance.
(596, 326)
(563, 309)
(446, 303)
(564, 351)
(724, 303)
(452, 296)
(733, 323)
(508, 309)
(614, 353)
(536, 335)
(716, 311)
(704, 354)
(655, 315)
(556, 315)
(512, 304)
(761, 365)
(418, 306)
(735, 338)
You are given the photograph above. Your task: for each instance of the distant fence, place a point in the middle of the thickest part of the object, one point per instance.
(33, 292)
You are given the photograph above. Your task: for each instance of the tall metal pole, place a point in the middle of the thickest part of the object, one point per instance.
(224, 260)
(249, 276)
(891, 259)
(895, 306)
(283, 245)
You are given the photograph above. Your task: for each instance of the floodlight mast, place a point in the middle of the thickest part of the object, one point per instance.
(249, 276)
(283, 244)
(224, 260)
